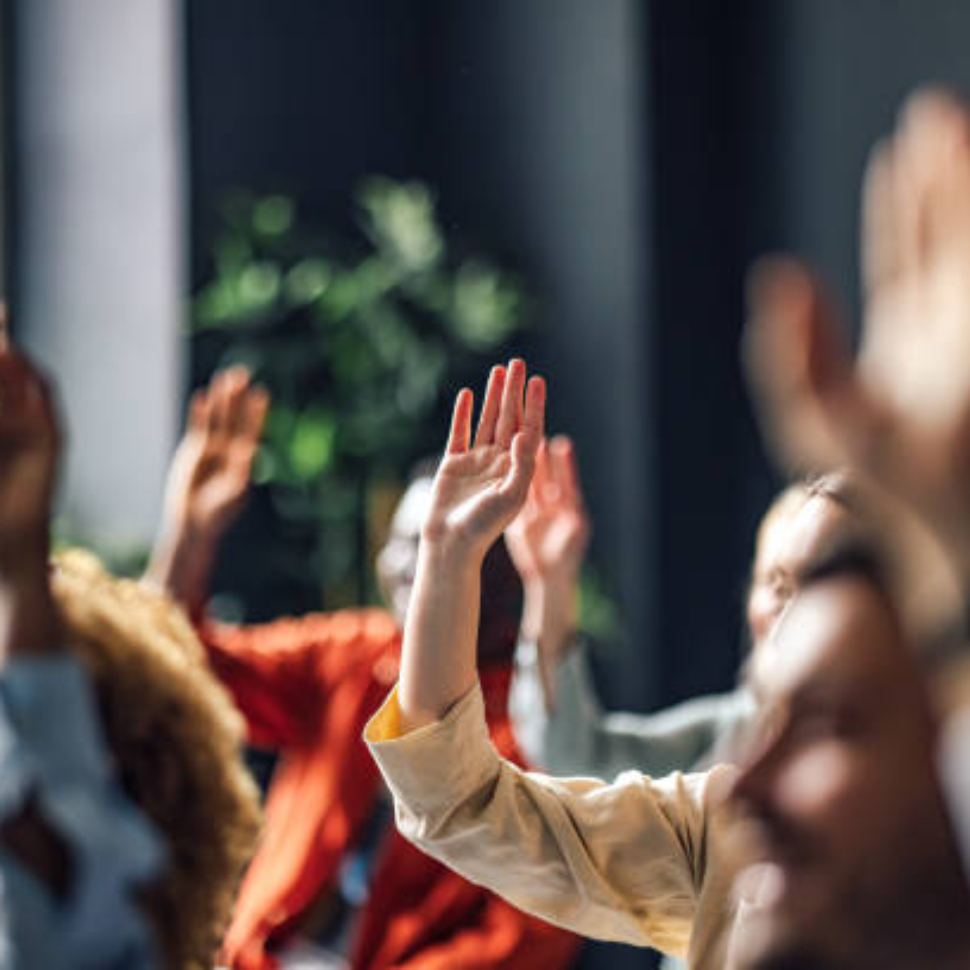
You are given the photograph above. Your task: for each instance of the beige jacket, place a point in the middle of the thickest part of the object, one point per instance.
(637, 861)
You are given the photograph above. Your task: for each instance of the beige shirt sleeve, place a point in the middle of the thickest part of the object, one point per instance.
(626, 861)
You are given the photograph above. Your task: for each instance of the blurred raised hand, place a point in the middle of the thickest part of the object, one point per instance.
(900, 413)
(210, 473)
(548, 538)
(208, 482)
(30, 443)
(547, 542)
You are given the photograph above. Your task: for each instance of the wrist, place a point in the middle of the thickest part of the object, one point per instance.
(444, 549)
(190, 532)
(552, 606)
(449, 563)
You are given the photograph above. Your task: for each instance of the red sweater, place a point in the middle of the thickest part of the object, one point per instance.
(306, 688)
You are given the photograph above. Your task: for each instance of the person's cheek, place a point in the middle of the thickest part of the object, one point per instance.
(818, 786)
(764, 607)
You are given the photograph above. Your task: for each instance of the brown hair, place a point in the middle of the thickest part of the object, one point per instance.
(176, 738)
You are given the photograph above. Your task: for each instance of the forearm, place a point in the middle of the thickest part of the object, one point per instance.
(549, 619)
(28, 619)
(181, 565)
(438, 656)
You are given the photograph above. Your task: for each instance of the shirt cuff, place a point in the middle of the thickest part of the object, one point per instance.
(436, 766)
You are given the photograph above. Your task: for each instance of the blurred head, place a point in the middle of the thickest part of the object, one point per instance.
(801, 523)
(501, 601)
(838, 798)
(397, 561)
(177, 741)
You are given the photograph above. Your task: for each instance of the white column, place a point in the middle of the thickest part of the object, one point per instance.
(102, 244)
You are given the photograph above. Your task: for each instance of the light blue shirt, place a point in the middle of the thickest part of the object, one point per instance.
(52, 750)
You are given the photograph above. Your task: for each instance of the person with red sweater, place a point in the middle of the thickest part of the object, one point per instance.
(306, 687)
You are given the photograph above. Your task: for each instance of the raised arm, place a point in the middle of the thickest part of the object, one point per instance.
(61, 812)
(900, 413)
(479, 489)
(207, 484)
(632, 861)
(547, 542)
(29, 452)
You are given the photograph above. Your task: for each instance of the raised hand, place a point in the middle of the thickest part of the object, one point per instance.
(30, 442)
(901, 414)
(548, 538)
(29, 452)
(547, 542)
(207, 483)
(479, 489)
(481, 486)
(210, 472)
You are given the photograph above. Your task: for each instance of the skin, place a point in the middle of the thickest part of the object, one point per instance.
(547, 541)
(839, 799)
(800, 534)
(845, 768)
(398, 559)
(900, 413)
(481, 486)
(208, 483)
(210, 477)
(29, 627)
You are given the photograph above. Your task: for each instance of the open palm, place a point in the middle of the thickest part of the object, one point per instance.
(481, 485)
(211, 469)
(549, 536)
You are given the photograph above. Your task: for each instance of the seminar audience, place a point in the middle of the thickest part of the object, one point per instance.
(126, 815)
(306, 687)
(652, 862)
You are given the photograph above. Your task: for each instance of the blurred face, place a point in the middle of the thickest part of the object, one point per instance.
(795, 535)
(839, 798)
(501, 594)
(398, 560)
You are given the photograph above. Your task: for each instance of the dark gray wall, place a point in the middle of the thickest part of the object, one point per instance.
(632, 158)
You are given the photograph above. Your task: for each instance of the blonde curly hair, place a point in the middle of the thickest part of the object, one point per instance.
(176, 737)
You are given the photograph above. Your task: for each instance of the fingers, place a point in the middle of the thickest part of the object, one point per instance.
(510, 412)
(526, 444)
(198, 411)
(236, 400)
(566, 471)
(516, 485)
(256, 408)
(485, 435)
(461, 423)
(231, 407)
(880, 256)
(797, 366)
(226, 391)
(930, 150)
(533, 422)
(27, 398)
(541, 476)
